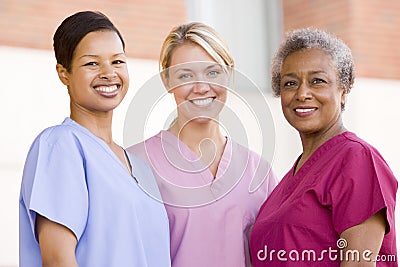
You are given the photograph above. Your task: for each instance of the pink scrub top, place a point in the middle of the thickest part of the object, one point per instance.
(342, 184)
(210, 219)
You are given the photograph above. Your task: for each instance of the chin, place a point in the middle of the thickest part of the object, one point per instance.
(110, 107)
(202, 120)
(305, 129)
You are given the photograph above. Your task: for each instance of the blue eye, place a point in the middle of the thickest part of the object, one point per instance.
(185, 76)
(213, 73)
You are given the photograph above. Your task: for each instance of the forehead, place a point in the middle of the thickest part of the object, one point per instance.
(308, 59)
(189, 52)
(99, 42)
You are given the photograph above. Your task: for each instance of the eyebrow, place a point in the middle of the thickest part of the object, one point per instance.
(188, 69)
(317, 72)
(292, 74)
(96, 56)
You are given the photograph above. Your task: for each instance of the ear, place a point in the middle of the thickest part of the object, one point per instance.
(63, 74)
(165, 80)
(343, 97)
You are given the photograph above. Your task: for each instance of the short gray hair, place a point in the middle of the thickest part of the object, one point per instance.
(307, 38)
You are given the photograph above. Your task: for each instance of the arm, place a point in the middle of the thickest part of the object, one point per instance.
(367, 235)
(57, 243)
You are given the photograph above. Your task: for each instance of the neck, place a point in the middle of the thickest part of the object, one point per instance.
(193, 133)
(311, 141)
(98, 124)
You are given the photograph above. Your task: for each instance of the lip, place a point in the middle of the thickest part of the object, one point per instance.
(107, 90)
(202, 102)
(304, 111)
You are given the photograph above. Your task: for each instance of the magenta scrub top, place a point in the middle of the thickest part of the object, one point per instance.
(73, 178)
(343, 183)
(210, 219)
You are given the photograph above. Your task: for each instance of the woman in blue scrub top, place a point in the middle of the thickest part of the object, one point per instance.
(80, 204)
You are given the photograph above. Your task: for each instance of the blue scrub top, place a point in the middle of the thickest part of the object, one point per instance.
(73, 178)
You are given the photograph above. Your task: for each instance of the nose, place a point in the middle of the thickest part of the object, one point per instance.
(107, 71)
(303, 92)
(201, 88)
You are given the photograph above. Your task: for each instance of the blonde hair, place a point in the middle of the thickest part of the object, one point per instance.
(199, 34)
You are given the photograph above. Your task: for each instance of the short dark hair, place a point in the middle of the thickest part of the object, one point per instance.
(306, 38)
(72, 30)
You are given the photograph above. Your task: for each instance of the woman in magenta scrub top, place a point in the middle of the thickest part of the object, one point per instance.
(204, 177)
(336, 204)
(80, 203)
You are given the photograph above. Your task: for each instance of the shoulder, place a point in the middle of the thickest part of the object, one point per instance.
(360, 160)
(252, 156)
(141, 150)
(259, 170)
(355, 142)
(142, 171)
(357, 148)
(138, 165)
(61, 137)
(146, 144)
(55, 134)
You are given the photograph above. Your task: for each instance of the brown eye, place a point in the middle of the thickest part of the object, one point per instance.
(118, 61)
(92, 63)
(289, 84)
(317, 81)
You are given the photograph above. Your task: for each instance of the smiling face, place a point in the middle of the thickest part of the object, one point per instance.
(197, 82)
(310, 95)
(98, 80)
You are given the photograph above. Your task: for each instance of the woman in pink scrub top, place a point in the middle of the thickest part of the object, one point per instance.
(336, 204)
(204, 177)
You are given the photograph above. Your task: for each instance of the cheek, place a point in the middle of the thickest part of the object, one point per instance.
(285, 100)
(78, 80)
(126, 75)
(181, 92)
(221, 93)
(335, 100)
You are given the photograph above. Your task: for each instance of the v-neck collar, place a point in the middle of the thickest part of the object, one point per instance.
(317, 154)
(180, 147)
(71, 122)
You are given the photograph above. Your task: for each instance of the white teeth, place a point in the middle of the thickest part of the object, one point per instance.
(105, 89)
(202, 102)
(303, 110)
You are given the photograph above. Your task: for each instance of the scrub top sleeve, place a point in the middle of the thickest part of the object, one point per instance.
(144, 176)
(264, 179)
(54, 184)
(364, 187)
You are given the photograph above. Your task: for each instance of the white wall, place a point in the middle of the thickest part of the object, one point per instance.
(33, 98)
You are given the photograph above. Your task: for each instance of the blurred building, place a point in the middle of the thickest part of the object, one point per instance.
(143, 24)
(370, 28)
